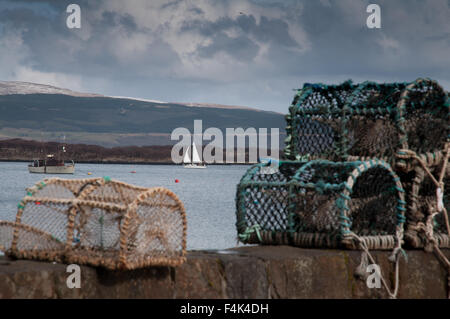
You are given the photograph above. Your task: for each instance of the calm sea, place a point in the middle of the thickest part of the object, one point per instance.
(208, 194)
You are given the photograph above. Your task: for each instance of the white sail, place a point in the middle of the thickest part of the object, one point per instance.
(196, 162)
(186, 158)
(195, 156)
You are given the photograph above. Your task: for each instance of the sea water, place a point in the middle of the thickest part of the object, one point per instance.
(208, 194)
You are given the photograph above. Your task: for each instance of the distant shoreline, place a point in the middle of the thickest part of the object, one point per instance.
(19, 150)
(130, 163)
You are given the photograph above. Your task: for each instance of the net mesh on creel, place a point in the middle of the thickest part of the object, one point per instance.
(99, 222)
(405, 124)
(262, 202)
(320, 203)
(351, 122)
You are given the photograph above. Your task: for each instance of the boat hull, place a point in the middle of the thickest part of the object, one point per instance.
(194, 166)
(67, 169)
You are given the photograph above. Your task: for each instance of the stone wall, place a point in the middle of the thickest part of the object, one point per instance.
(246, 272)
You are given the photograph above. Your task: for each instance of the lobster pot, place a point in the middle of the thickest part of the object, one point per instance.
(331, 202)
(422, 203)
(322, 204)
(351, 122)
(315, 120)
(99, 222)
(262, 203)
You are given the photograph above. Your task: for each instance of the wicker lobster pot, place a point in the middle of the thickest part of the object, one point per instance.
(322, 204)
(99, 222)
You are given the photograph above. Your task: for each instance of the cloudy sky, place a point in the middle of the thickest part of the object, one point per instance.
(237, 52)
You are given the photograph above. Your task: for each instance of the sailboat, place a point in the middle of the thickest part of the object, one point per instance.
(193, 161)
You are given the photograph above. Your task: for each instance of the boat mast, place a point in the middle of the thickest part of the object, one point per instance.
(63, 148)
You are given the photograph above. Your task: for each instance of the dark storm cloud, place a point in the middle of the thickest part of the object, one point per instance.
(55, 48)
(245, 52)
(197, 10)
(413, 41)
(274, 31)
(241, 47)
(113, 19)
(170, 4)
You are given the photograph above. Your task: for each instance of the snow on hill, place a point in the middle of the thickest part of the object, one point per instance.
(137, 99)
(220, 106)
(16, 87)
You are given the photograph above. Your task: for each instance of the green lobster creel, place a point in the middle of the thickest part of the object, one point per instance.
(321, 203)
(351, 122)
(262, 203)
(335, 199)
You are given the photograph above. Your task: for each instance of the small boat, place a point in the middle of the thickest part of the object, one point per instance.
(193, 161)
(51, 165)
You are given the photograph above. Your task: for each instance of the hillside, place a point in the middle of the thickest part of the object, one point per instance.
(110, 121)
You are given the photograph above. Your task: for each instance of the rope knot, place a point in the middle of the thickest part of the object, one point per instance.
(396, 254)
